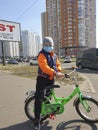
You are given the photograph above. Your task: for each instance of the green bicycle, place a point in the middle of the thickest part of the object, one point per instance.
(86, 106)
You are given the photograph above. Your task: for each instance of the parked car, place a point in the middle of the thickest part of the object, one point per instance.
(6, 60)
(87, 58)
(12, 61)
(67, 59)
(34, 61)
(26, 60)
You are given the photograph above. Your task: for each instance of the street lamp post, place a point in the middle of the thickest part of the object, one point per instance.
(3, 54)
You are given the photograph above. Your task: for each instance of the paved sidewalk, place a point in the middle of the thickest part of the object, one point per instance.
(86, 85)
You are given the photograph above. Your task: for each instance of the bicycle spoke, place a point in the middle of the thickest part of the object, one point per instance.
(88, 109)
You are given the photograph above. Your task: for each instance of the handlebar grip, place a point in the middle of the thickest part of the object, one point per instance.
(74, 67)
(67, 76)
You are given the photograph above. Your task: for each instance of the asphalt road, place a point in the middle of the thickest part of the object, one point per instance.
(12, 116)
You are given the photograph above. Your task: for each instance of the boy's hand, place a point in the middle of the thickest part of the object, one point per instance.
(59, 74)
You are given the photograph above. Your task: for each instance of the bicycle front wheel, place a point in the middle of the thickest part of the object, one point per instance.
(88, 109)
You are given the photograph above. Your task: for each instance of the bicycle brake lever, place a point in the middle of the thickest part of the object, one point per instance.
(67, 76)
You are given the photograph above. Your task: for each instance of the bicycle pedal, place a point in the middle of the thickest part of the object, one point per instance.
(42, 123)
(52, 116)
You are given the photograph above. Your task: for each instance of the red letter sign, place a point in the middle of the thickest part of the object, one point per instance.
(10, 28)
(2, 27)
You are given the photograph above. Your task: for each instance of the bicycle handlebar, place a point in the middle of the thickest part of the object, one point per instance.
(73, 78)
(68, 75)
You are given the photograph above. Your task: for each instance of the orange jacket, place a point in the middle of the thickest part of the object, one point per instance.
(42, 61)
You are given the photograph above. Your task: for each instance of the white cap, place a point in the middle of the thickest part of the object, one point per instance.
(48, 40)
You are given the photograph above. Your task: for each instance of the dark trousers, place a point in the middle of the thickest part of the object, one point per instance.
(40, 87)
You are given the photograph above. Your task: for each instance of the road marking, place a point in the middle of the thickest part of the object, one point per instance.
(90, 84)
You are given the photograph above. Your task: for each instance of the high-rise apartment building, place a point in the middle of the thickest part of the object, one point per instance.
(54, 21)
(30, 44)
(27, 43)
(71, 23)
(87, 22)
(90, 23)
(36, 44)
(11, 49)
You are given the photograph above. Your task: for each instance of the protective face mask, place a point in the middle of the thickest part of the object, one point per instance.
(48, 49)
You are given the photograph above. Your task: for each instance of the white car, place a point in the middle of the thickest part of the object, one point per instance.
(67, 59)
(33, 61)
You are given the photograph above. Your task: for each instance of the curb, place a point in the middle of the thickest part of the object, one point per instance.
(87, 85)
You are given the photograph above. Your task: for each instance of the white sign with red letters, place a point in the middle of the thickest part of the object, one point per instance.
(9, 31)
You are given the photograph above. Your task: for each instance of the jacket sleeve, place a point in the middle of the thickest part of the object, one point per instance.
(58, 65)
(42, 61)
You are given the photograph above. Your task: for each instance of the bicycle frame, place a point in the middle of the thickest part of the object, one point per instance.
(63, 100)
(68, 98)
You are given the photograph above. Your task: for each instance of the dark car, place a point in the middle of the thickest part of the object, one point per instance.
(12, 61)
(87, 58)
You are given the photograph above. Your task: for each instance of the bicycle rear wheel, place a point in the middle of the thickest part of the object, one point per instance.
(29, 109)
(90, 113)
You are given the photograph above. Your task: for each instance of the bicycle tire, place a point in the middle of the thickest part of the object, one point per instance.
(92, 115)
(29, 109)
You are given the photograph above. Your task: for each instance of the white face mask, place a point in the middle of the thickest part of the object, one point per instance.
(48, 49)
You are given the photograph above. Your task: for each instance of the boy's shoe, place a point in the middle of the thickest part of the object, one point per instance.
(36, 124)
(52, 116)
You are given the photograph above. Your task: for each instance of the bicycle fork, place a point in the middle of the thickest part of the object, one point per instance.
(85, 103)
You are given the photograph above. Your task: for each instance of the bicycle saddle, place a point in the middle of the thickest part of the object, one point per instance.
(53, 86)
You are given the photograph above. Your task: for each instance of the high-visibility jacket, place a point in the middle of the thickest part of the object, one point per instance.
(48, 64)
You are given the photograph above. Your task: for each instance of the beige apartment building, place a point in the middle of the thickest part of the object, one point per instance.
(72, 24)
